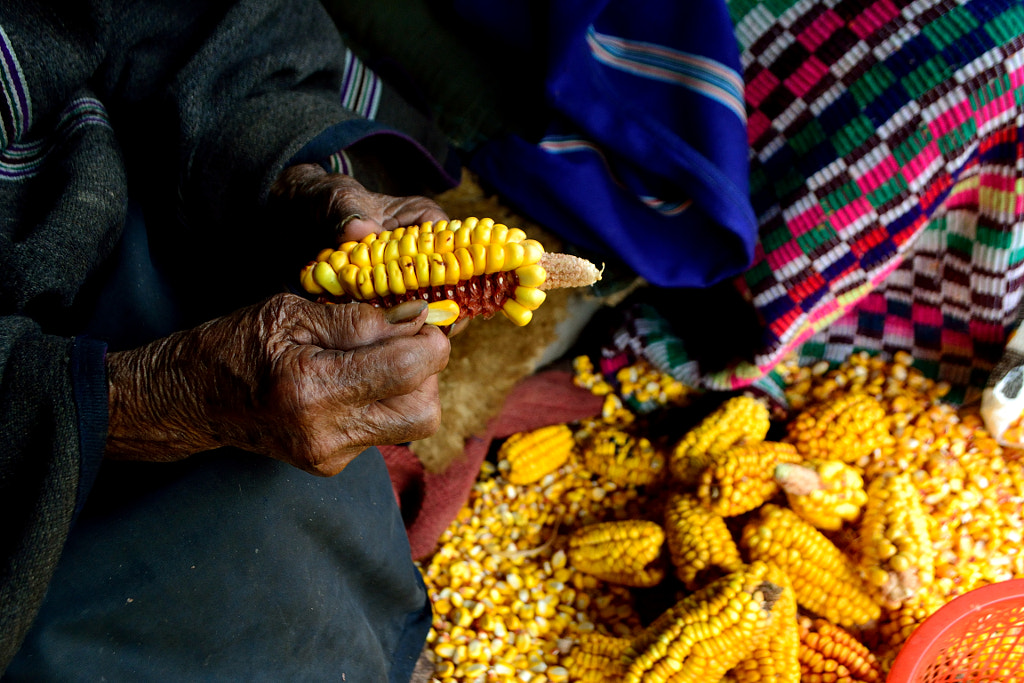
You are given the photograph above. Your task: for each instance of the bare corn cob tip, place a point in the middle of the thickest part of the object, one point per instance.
(461, 268)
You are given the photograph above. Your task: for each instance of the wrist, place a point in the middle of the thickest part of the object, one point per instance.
(157, 409)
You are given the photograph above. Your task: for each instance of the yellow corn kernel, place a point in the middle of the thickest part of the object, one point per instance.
(826, 493)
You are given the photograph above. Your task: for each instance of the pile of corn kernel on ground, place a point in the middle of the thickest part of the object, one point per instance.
(748, 544)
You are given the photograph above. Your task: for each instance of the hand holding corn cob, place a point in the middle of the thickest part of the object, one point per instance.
(309, 385)
(461, 268)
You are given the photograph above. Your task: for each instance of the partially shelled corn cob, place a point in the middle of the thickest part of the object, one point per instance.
(776, 654)
(741, 419)
(623, 458)
(742, 477)
(848, 428)
(461, 268)
(826, 493)
(895, 550)
(627, 552)
(825, 580)
(708, 632)
(699, 542)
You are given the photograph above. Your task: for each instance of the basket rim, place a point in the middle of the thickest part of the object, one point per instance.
(927, 639)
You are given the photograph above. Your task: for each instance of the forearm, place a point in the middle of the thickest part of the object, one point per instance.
(156, 408)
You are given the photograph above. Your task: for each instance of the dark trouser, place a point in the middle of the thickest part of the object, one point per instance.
(231, 566)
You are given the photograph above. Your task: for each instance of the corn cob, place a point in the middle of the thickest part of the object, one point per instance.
(462, 268)
(740, 419)
(826, 581)
(627, 552)
(829, 653)
(707, 633)
(526, 457)
(741, 478)
(776, 655)
(599, 658)
(846, 427)
(622, 458)
(699, 542)
(826, 493)
(899, 624)
(895, 550)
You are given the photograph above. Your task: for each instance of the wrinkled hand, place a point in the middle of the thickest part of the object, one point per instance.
(309, 384)
(345, 210)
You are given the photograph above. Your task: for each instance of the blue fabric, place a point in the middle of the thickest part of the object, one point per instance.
(645, 154)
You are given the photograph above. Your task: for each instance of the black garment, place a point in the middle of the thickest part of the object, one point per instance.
(232, 567)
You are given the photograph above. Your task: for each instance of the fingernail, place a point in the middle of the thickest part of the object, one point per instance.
(405, 311)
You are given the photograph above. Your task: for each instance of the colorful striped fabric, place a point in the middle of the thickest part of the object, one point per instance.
(887, 175)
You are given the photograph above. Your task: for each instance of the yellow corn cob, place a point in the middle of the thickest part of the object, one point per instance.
(846, 427)
(708, 632)
(599, 658)
(825, 580)
(899, 624)
(826, 493)
(627, 552)
(622, 458)
(477, 267)
(740, 419)
(741, 478)
(776, 655)
(829, 653)
(895, 550)
(526, 457)
(699, 542)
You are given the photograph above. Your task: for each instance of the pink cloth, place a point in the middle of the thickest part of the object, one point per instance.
(430, 502)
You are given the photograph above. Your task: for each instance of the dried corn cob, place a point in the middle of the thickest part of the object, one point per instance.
(898, 625)
(740, 419)
(698, 540)
(895, 549)
(622, 458)
(462, 268)
(741, 478)
(826, 493)
(829, 653)
(776, 655)
(846, 427)
(825, 580)
(627, 552)
(598, 658)
(525, 457)
(707, 633)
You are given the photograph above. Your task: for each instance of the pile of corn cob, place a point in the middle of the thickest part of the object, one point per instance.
(754, 546)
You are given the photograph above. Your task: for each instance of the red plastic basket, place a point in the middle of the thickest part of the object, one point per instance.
(977, 637)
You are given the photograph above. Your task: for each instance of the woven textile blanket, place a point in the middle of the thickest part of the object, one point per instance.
(887, 176)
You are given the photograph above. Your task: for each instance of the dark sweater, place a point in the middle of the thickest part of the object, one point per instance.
(200, 104)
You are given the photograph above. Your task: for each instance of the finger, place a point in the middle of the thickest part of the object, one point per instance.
(401, 418)
(391, 368)
(349, 326)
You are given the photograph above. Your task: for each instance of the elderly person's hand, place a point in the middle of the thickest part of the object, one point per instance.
(310, 384)
(342, 209)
